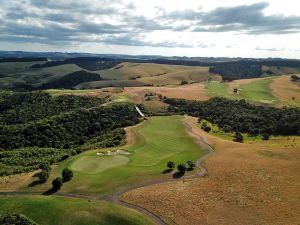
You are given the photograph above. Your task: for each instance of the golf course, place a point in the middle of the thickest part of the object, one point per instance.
(152, 144)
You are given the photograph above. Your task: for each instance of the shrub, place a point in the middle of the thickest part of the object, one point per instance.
(238, 137)
(191, 164)
(67, 174)
(181, 168)
(171, 165)
(45, 166)
(15, 219)
(57, 183)
(43, 176)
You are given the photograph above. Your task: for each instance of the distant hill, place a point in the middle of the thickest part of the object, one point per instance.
(71, 80)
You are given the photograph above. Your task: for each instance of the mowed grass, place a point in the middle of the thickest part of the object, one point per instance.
(256, 91)
(156, 141)
(92, 164)
(49, 210)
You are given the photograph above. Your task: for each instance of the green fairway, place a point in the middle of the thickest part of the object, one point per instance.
(92, 164)
(46, 210)
(157, 140)
(256, 91)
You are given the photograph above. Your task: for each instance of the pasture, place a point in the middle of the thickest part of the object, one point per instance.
(50, 210)
(246, 184)
(253, 90)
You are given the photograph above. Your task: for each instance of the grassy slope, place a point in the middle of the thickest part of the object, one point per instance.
(149, 73)
(58, 210)
(256, 91)
(158, 140)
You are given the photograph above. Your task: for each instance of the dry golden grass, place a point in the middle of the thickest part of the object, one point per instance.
(190, 92)
(284, 89)
(255, 184)
(15, 182)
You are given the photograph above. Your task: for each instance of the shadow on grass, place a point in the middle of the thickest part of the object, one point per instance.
(50, 191)
(167, 171)
(178, 175)
(34, 183)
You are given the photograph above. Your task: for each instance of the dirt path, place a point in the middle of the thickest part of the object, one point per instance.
(115, 198)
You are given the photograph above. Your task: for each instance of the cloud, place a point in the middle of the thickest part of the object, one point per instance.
(115, 22)
(249, 19)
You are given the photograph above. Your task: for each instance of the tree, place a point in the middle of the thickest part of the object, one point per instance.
(43, 176)
(238, 137)
(67, 174)
(171, 165)
(265, 137)
(191, 164)
(181, 168)
(184, 82)
(57, 183)
(45, 166)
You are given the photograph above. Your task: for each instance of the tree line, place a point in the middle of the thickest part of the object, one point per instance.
(240, 116)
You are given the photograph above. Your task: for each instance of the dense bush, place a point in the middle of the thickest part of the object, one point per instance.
(240, 116)
(57, 183)
(28, 159)
(15, 219)
(88, 63)
(234, 71)
(67, 175)
(71, 80)
(18, 108)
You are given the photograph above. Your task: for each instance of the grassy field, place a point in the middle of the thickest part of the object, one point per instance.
(246, 184)
(156, 141)
(257, 90)
(46, 210)
(216, 131)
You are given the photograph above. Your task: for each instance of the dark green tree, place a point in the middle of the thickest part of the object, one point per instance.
(57, 183)
(191, 164)
(43, 176)
(67, 174)
(45, 166)
(238, 137)
(181, 168)
(171, 165)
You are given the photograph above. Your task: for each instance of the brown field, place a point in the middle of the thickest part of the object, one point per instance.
(190, 92)
(255, 184)
(284, 89)
(15, 182)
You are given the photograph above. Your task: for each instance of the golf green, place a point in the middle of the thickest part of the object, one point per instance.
(97, 164)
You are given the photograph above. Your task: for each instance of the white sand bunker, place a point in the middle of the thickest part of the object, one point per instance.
(114, 152)
(117, 152)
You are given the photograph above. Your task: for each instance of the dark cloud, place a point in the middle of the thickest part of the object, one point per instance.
(248, 19)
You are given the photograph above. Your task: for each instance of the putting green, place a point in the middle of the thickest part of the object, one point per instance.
(97, 164)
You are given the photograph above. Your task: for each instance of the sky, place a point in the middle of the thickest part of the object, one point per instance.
(214, 28)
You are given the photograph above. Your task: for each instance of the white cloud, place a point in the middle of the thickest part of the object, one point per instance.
(170, 27)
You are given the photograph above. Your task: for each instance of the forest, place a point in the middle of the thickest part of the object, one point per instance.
(240, 116)
(87, 63)
(23, 107)
(71, 80)
(236, 71)
(36, 127)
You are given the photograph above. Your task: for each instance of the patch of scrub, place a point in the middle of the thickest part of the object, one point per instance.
(96, 164)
